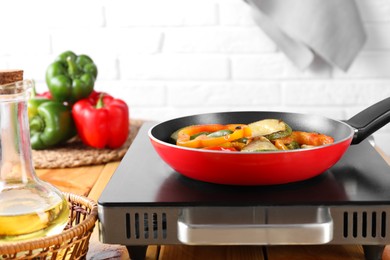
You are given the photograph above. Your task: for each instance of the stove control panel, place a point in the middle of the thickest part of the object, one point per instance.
(255, 225)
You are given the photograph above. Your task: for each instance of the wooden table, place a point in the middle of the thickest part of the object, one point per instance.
(90, 181)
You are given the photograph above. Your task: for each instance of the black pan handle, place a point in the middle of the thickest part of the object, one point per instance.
(370, 119)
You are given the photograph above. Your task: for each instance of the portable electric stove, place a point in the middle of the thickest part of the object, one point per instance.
(148, 203)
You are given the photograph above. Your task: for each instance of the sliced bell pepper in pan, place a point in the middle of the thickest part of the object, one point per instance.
(237, 131)
(221, 148)
(306, 138)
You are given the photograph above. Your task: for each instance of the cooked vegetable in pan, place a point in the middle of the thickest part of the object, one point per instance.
(263, 135)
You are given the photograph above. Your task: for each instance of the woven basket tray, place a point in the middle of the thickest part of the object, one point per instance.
(76, 154)
(71, 244)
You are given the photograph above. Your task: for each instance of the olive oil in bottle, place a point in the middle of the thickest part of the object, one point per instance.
(29, 207)
(26, 214)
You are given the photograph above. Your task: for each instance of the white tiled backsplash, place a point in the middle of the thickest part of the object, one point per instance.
(168, 58)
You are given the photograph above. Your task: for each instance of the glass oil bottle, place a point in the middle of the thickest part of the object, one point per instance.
(29, 207)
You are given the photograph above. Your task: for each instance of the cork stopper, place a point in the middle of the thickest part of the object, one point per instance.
(7, 77)
(10, 76)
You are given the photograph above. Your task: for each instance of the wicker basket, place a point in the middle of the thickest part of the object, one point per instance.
(72, 243)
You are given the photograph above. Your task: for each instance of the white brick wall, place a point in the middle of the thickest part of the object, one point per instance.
(177, 57)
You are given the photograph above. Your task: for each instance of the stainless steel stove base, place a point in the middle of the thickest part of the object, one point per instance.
(357, 224)
(363, 225)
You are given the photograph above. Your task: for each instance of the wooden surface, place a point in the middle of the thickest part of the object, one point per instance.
(90, 181)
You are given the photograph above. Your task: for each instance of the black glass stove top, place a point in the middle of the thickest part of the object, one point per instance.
(143, 179)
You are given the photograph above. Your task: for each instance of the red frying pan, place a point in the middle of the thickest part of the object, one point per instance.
(266, 168)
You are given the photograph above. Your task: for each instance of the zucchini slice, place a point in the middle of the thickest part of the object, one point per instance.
(280, 134)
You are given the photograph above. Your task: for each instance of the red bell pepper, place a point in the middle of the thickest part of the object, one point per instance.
(45, 94)
(95, 95)
(102, 121)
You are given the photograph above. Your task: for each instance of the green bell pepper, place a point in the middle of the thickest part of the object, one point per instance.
(71, 77)
(34, 102)
(51, 123)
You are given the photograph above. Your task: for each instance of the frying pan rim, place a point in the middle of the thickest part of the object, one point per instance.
(155, 139)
